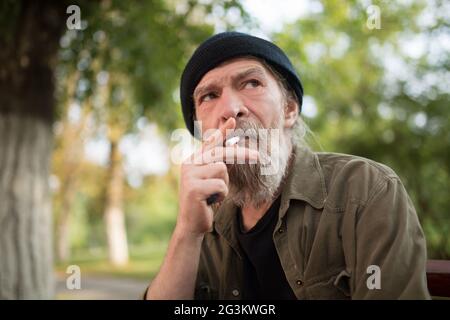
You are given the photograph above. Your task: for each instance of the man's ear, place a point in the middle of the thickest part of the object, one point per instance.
(290, 113)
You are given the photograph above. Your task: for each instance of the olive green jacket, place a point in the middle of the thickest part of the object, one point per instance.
(346, 229)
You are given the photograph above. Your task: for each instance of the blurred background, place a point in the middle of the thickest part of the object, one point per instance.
(89, 101)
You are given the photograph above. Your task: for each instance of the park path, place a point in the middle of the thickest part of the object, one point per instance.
(99, 287)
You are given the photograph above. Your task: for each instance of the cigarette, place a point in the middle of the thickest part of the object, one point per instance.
(232, 141)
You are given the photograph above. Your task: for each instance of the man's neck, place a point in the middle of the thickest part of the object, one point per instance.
(251, 214)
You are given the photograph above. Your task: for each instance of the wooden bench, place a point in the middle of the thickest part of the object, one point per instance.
(438, 278)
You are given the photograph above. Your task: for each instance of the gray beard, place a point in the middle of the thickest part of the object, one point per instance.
(248, 185)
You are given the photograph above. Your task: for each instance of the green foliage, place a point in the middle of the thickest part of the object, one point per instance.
(152, 210)
(363, 109)
(139, 50)
(124, 64)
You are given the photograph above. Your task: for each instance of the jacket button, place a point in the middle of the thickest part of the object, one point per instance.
(280, 230)
(299, 282)
(235, 292)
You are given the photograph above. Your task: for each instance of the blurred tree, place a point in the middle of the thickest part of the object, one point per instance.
(378, 95)
(147, 44)
(130, 77)
(68, 153)
(30, 32)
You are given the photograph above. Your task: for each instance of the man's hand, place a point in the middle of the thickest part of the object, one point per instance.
(209, 176)
(177, 276)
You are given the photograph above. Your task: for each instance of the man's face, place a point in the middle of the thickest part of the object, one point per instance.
(245, 90)
(241, 88)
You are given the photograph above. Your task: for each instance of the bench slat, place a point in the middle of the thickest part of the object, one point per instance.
(438, 277)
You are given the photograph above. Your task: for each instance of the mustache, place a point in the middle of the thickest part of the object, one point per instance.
(245, 128)
(248, 129)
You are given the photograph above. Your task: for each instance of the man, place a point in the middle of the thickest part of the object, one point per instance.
(321, 226)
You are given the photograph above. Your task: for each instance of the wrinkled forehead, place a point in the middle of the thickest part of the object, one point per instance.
(230, 68)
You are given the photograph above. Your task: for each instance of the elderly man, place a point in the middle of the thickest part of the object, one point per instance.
(321, 226)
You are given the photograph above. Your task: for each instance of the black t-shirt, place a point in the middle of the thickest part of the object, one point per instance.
(263, 274)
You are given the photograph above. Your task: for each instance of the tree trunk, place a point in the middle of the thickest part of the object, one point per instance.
(29, 42)
(63, 223)
(68, 170)
(114, 214)
(72, 148)
(26, 269)
(63, 235)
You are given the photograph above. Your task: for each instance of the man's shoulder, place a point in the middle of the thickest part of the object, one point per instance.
(333, 161)
(353, 176)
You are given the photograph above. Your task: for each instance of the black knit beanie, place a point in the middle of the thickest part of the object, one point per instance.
(225, 46)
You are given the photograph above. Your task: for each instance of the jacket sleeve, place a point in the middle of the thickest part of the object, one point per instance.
(390, 246)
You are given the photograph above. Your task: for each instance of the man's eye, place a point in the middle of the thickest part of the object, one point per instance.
(251, 84)
(208, 97)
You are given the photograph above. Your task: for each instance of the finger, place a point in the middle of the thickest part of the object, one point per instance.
(212, 170)
(219, 135)
(214, 139)
(212, 186)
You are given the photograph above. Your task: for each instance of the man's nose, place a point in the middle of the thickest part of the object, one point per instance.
(231, 105)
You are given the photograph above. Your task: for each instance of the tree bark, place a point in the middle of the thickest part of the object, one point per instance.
(63, 233)
(114, 214)
(26, 267)
(29, 43)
